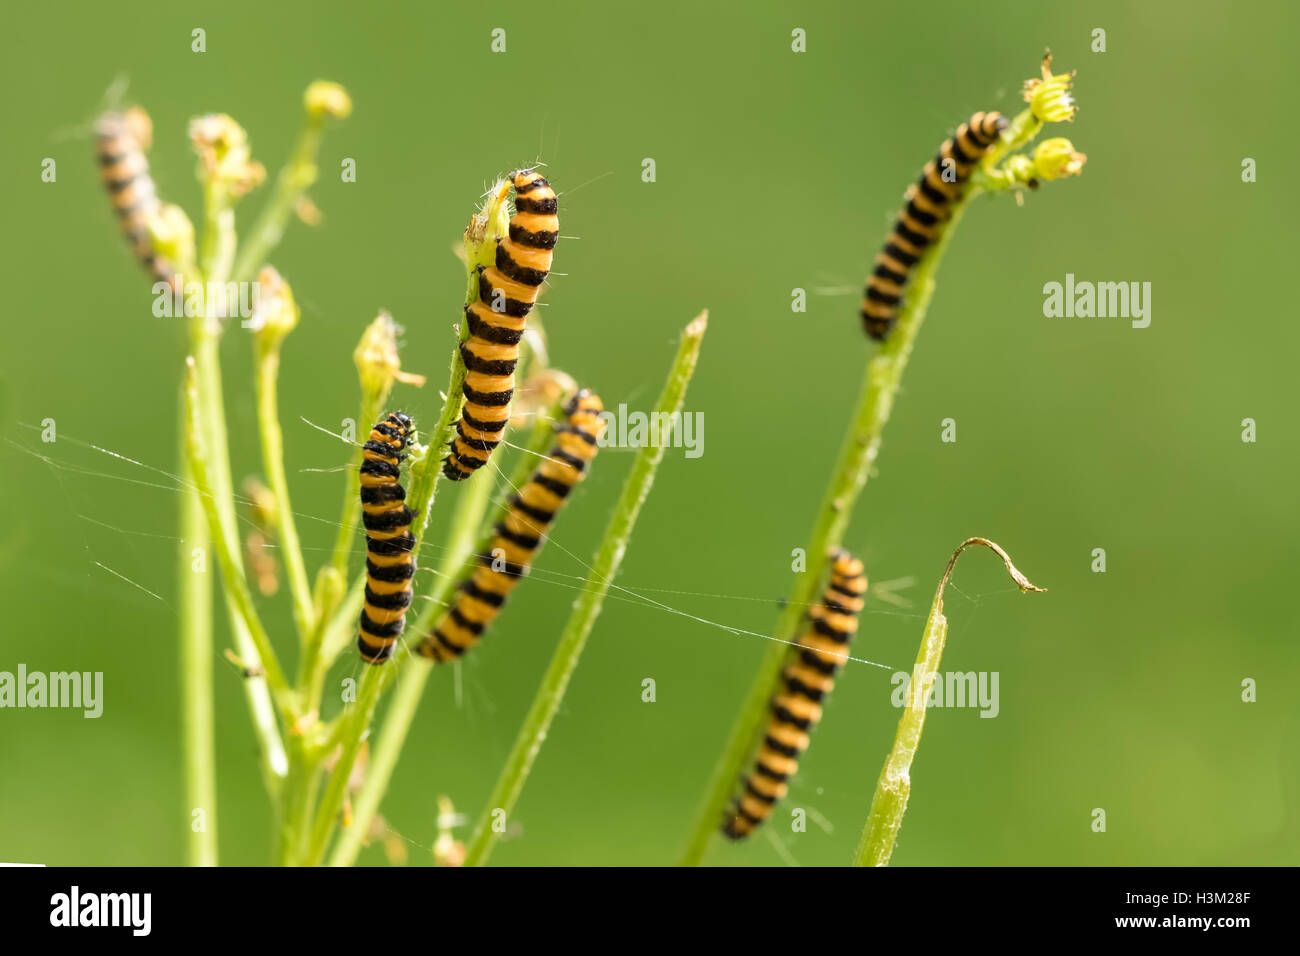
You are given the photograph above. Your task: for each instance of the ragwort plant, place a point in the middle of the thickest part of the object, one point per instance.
(310, 764)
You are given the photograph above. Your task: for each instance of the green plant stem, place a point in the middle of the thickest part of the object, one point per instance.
(217, 245)
(371, 408)
(895, 785)
(383, 758)
(268, 419)
(207, 429)
(271, 753)
(197, 721)
(587, 607)
(337, 636)
(356, 720)
(222, 527)
(294, 806)
(294, 179)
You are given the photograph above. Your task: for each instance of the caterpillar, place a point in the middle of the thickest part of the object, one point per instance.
(390, 563)
(808, 679)
(922, 218)
(518, 537)
(507, 292)
(120, 143)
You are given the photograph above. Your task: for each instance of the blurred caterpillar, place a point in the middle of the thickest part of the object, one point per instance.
(518, 538)
(507, 292)
(390, 563)
(922, 218)
(797, 709)
(121, 140)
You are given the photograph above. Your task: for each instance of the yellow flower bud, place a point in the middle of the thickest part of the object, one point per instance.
(1020, 168)
(378, 363)
(173, 235)
(1055, 158)
(277, 313)
(485, 227)
(327, 99)
(1049, 98)
(224, 154)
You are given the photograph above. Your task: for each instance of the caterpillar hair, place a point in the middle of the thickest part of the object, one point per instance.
(808, 679)
(923, 217)
(507, 292)
(390, 561)
(519, 536)
(120, 143)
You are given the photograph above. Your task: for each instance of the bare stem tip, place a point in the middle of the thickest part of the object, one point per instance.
(1022, 582)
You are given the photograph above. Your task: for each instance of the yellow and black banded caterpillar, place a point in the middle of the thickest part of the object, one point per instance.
(121, 140)
(519, 536)
(923, 217)
(507, 292)
(390, 561)
(808, 678)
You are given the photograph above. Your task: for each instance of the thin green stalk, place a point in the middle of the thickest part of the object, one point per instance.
(197, 737)
(587, 607)
(372, 404)
(356, 719)
(294, 806)
(273, 760)
(337, 636)
(268, 419)
(217, 245)
(207, 426)
(378, 367)
(294, 180)
(383, 758)
(224, 533)
(857, 455)
(206, 429)
(895, 785)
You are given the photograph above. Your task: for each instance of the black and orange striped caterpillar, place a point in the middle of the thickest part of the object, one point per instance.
(923, 216)
(519, 536)
(507, 292)
(796, 710)
(390, 561)
(121, 140)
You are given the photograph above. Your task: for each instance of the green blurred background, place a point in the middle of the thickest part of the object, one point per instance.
(775, 171)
